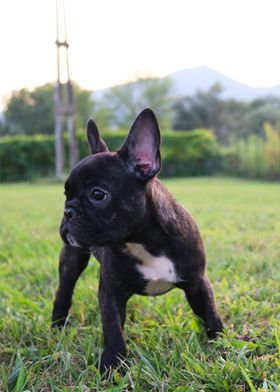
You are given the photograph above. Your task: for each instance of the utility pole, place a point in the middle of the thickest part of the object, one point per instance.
(64, 103)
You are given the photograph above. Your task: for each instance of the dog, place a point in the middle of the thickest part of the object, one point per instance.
(146, 242)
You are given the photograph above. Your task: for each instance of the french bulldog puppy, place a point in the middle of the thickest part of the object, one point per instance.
(146, 242)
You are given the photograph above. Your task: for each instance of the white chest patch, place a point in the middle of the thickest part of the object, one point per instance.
(158, 271)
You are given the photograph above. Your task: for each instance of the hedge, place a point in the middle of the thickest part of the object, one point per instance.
(255, 156)
(188, 153)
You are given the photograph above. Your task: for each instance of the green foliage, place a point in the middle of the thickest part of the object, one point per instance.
(191, 153)
(167, 348)
(26, 157)
(261, 111)
(120, 105)
(227, 118)
(83, 105)
(209, 110)
(203, 108)
(3, 126)
(32, 112)
(256, 156)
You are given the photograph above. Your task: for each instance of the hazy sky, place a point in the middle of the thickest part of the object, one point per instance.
(110, 40)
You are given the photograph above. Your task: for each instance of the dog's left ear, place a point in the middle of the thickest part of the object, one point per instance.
(95, 141)
(141, 147)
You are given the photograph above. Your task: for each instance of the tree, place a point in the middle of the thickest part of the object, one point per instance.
(209, 110)
(232, 120)
(29, 112)
(120, 105)
(202, 110)
(262, 111)
(103, 115)
(3, 127)
(84, 105)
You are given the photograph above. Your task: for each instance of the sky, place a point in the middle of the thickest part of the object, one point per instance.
(111, 41)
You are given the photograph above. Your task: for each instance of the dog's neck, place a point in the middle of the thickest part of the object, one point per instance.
(165, 225)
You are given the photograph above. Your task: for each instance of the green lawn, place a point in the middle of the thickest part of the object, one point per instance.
(167, 348)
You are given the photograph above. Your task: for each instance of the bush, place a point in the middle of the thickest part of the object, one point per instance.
(189, 153)
(26, 157)
(255, 156)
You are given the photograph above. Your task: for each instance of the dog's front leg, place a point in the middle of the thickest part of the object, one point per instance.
(72, 262)
(201, 299)
(112, 307)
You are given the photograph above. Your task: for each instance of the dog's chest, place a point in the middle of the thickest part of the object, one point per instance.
(159, 271)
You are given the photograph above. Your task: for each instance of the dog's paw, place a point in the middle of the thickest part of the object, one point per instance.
(215, 329)
(59, 322)
(110, 360)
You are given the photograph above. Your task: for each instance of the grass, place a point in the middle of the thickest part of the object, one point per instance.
(167, 348)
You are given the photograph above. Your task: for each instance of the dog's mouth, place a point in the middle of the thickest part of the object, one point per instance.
(72, 241)
(66, 236)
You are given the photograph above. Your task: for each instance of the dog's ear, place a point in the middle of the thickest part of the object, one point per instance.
(141, 147)
(96, 144)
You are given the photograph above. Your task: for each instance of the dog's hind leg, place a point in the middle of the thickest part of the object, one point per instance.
(201, 299)
(72, 262)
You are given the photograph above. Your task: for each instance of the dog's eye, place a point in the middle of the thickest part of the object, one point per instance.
(98, 195)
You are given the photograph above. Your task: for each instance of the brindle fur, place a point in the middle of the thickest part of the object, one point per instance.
(146, 214)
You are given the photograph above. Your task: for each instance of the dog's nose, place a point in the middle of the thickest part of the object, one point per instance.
(69, 213)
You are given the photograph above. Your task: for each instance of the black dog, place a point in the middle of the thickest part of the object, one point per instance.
(146, 242)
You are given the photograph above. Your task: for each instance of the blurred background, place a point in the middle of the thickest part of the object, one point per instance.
(210, 71)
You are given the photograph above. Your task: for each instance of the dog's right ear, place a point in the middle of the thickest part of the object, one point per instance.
(96, 143)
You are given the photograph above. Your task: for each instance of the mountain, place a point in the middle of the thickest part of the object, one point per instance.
(188, 81)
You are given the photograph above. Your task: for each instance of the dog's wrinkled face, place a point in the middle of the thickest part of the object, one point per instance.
(104, 201)
(106, 192)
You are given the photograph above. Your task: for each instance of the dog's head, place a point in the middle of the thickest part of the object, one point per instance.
(106, 192)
